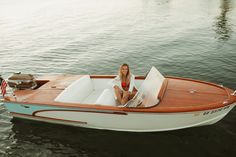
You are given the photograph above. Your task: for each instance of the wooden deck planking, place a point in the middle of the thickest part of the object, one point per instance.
(177, 96)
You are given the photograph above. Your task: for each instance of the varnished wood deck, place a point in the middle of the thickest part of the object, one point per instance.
(177, 95)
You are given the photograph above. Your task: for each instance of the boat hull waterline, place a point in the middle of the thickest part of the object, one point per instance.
(120, 121)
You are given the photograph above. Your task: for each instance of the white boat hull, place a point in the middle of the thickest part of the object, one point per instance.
(131, 121)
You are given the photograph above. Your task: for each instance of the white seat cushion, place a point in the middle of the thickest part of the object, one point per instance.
(151, 87)
(106, 98)
(77, 91)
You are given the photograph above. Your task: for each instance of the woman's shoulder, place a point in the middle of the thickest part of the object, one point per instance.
(132, 75)
(117, 77)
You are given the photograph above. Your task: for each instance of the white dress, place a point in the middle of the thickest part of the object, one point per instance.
(117, 82)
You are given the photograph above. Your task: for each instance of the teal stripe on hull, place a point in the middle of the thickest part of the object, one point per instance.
(26, 108)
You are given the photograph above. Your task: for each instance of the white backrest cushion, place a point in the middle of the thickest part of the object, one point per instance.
(106, 98)
(77, 91)
(151, 87)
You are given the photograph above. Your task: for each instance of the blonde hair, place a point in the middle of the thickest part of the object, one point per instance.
(128, 73)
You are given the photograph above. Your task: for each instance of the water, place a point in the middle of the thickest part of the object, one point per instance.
(186, 38)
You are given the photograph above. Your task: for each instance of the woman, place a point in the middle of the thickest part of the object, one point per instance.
(123, 85)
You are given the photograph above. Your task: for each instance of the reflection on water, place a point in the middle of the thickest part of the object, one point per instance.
(95, 37)
(43, 139)
(222, 26)
(6, 133)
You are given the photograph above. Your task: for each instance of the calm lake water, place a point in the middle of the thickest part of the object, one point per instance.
(186, 38)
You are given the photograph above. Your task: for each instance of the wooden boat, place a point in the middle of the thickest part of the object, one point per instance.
(164, 103)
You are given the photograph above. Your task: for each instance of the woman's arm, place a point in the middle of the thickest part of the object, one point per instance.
(115, 82)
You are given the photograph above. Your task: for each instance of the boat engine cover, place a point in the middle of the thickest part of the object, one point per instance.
(22, 81)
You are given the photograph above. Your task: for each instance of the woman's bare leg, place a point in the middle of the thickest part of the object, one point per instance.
(118, 93)
(125, 97)
(133, 93)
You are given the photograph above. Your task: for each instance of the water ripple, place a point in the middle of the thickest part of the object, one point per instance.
(193, 39)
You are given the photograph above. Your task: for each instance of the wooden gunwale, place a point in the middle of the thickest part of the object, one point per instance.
(154, 109)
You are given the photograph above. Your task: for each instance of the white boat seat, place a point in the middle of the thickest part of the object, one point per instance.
(77, 91)
(151, 87)
(106, 98)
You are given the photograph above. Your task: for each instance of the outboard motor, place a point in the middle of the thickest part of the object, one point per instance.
(22, 81)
